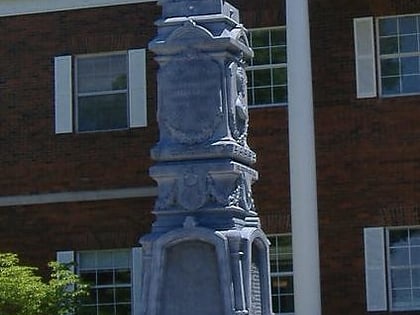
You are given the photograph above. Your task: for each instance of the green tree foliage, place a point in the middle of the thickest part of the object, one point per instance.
(22, 292)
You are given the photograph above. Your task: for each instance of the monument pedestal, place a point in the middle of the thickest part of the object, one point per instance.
(196, 270)
(206, 253)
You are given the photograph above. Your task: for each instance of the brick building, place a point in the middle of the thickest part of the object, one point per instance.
(77, 122)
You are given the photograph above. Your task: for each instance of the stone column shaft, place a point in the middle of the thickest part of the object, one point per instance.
(302, 161)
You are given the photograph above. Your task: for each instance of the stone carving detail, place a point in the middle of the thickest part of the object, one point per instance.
(238, 111)
(242, 196)
(194, 191)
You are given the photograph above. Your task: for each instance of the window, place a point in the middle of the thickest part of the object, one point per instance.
(267, 72)
(281, 268)
(398, 53)
(101, 92)
(113, 277)
(404, 268)
(109, 92)
(392, 257)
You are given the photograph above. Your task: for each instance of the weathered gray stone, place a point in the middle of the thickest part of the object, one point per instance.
(206, 253)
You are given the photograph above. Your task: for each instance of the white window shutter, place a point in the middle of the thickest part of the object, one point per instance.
(63, 94)
(375, 269)
(66, 257)
(136, 258)
(364, 46)
(137, 87)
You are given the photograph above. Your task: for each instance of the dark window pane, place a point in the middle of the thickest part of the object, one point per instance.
(389, 45)
(286, 263)
(286, 284)
(409, 43)
(273, 241)
(278, 55)
(400, 278)
(285, 243)
(280, 95)
(261, 57)
(279, 76)
(122, 276)
(415, 255)
(415, 272)
(262, 96)
(104, 73)
(274, 267)
(398, 237)
(399, 256)
(390, 85)
(260, 38)
(407, 25)
(415, 236)
(105, 277)
(416, 298)
(119, 82)
(287, 304)
(262, 77)
(409, 65)
(278, 37)
(122, 295)
(388, 26)
(102, 112)
(88, 277)
(401, 297)
(106, 295)
(390, 67)
(87, 310)
(106, 310)
(275, 285)
(91, 298)
(411, 84)
(123, 309)
(276, 304)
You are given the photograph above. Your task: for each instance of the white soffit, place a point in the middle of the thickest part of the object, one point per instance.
(19, 7)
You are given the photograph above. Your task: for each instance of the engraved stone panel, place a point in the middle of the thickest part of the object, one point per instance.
(191, 283)
(190, 108)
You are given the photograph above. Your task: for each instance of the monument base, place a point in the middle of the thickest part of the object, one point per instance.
(195, 270)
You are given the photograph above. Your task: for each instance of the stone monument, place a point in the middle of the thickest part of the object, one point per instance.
(206, 253)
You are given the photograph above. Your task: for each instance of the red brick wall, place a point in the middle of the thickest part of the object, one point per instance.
(34, 159)
(37, 232)
(368, 152)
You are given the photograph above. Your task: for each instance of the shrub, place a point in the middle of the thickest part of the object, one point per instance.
(22, 292)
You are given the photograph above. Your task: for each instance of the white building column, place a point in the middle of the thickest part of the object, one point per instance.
(303, 192)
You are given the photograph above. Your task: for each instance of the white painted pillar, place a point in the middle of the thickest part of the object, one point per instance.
(302, 161)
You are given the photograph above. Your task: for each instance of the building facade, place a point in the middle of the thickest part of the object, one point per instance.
(78, 120)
